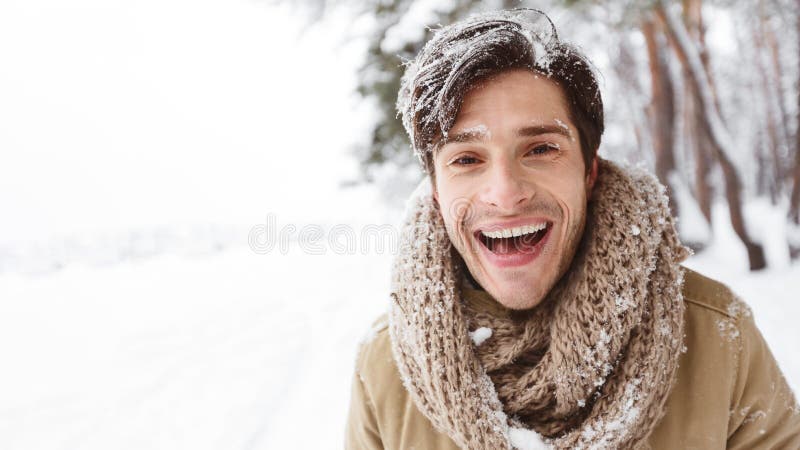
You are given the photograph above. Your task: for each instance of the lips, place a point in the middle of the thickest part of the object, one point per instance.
(510, 241)
(524, 243)
(518, 245)
(521, 238)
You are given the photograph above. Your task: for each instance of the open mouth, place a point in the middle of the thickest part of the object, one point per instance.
(520, 240)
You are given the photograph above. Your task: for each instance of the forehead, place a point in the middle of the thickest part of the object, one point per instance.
(520, 93)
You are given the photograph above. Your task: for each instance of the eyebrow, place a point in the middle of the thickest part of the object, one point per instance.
(529, 131)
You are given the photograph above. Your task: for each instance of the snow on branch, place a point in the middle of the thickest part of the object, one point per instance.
(699, 76)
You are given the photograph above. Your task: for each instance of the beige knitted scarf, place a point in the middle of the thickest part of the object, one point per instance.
(590, 367)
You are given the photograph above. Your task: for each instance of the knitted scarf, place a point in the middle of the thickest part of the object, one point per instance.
(589, 367)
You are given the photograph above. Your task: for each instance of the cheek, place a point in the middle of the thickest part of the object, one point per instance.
(448, 209)
(568, 192)
(576, 208)
(577, 196)
(454, 203)
(445, 207)
(572, 186)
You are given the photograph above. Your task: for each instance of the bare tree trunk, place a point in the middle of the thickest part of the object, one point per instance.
(794, 201)
(714, 126)
(702, 158)
(762, 178)
(662, 109)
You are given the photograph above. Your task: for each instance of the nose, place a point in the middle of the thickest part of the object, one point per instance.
(504, 188)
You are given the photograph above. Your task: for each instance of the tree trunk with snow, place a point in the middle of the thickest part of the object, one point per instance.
(625, 68)
(769, 162)
(778, 90)
(714, 126)
(695, 134)
(696, 29)
(662, 109)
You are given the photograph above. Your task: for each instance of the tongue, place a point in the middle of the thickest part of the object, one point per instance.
(519, 244)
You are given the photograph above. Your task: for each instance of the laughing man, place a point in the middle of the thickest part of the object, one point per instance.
(538, 299)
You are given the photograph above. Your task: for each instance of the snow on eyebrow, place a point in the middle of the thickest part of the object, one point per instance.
(564, 127)
(478, 132)
(479, 129)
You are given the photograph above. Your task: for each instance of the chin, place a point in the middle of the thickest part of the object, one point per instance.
(520, 304)
(518, 296)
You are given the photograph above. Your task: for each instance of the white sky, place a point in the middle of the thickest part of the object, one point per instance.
(116, 114)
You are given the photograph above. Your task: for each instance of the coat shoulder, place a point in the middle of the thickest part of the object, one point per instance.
(710, 295)
(375, 363)
(729, 391)
(401, 425)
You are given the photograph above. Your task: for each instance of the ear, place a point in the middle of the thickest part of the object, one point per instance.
(435, 193)
(591, 177)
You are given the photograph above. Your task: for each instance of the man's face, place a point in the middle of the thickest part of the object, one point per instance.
(512, 186)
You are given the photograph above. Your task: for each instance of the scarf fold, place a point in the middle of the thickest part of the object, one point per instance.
(589, 367)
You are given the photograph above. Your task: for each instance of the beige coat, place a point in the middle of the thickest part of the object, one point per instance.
(729, 393)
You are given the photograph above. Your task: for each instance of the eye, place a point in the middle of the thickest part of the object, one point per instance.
(464, 160)
(543, 149)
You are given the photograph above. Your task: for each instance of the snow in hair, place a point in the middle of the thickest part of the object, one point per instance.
(435, 82)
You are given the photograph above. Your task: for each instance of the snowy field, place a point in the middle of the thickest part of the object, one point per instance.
(141, 145)
(233, 350)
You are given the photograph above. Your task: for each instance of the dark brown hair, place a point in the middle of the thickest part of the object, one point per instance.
(464, 53)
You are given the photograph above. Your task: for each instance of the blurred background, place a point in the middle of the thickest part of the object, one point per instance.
(199, 200)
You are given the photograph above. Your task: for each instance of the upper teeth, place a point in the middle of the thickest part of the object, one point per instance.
(514, 232)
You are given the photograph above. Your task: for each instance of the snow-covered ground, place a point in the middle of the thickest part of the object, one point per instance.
(142, 146)
(233, 350)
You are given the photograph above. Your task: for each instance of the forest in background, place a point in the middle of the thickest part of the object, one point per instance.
(703, 92)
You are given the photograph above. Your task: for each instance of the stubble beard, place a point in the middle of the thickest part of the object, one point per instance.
(464, 243)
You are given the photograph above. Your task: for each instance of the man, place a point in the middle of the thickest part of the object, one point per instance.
(537, 299)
